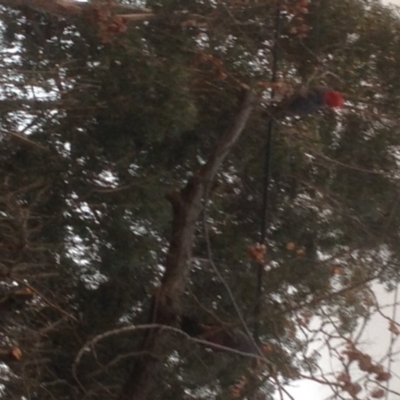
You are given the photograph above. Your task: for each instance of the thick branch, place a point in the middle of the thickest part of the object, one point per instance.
(187, 206)
(67, 8)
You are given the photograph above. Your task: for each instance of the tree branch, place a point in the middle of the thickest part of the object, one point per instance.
(67, 8)
(187, 206)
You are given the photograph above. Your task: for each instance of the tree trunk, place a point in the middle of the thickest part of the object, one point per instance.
(187, 206)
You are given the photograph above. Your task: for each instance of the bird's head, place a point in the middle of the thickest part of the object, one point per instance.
(333, 99)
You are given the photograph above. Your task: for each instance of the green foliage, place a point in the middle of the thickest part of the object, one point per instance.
(113, 126)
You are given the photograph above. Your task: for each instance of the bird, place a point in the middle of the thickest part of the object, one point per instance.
(308, 102)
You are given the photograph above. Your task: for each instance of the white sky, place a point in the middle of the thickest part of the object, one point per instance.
(375, 341)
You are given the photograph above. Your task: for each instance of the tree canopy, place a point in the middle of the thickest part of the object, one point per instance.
(133, 145)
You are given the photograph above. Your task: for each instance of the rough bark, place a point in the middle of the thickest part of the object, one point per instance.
(187, 206)
(68, 8)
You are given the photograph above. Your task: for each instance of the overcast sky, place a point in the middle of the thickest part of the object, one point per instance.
(397, 2)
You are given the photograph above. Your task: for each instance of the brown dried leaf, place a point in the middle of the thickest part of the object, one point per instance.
(300, 252)
(352, 354)
(290, 246)
(352, 388)
(377, 393)
(394, 328)
(257, 252)
(336, 270)
(365, 363)
(267, 348)
(15, 353)
(383, 376)
(344, 377)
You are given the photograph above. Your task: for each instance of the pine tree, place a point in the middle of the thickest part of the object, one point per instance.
(111, 128)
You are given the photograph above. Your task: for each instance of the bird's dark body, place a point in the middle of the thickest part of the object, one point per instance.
(306, 103)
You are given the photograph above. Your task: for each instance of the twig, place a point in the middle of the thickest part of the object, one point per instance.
(50, 303)
(133, 328)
